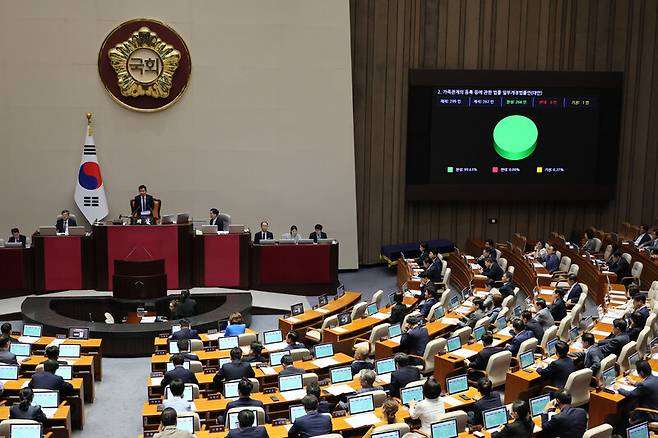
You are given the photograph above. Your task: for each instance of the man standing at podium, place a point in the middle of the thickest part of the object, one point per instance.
(216, 220)
(65, 222)
(143, 206)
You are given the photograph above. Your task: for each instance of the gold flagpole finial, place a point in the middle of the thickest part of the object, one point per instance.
(89, 118)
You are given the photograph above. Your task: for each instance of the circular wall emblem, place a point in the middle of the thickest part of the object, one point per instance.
(144, 65)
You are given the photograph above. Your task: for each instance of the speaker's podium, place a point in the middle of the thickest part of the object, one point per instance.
(139, 279)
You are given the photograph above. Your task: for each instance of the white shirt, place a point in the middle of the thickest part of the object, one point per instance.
(178, 404)
(429, 411)
(639, 239)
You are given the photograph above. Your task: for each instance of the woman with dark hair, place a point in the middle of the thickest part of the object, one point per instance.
(430, 408)
(184, 307)
(590, 243)
(25, 410)
(521, 427)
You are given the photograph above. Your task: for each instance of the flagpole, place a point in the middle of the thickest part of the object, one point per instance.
(89, 131)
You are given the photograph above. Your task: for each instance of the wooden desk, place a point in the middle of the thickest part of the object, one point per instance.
(59, 424)
(405, 274)
(650, 268)
(461, 272)
(162, 344)
(83, 367)
(313, 318)
(521, 384)
(88, 347)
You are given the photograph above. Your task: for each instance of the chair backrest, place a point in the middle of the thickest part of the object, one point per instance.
(606, 362)
(626, 351)
(602, 431)
(196, 345)
(573, 269)
(578, 386)
(549, 334)
(226, 219)
(508, 301)
(359, 310)
(330, 322)
(651, 320)
(636, 270)
(38, 369)
(444, 297)
(498, 253)
(563, 328)
(434, 347)
(565, 264)
(446, 276)
(157, 205)
(308, 378)
(510, 268)
(260, 412)
(483, 322)
(400, 427)
(608, 252)
(460, 416)
(444, 266)
(378, 332)
(109, 319)
(653, 291)
(584, 294)
(379, 397)
(71, 216)
(4, 425)
(256, 384)
(299, 353)
(597, 245)
(505, 311)
(527, 345)
(502, 262)
(432, 310)
(497, 367)
(420, 382)
(464, 334)
(643, 340)
(627, 257)
(378, 297)
(577, 312)
(246, 339)
(196, 366)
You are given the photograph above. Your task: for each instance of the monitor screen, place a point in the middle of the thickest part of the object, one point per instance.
(478, 332)
(573, 333)
(188, 394)
(454, 343)
(439, 312)
(344, 318)
(323, 350)
(394, 331)
(233, 423)
(391, 299)
(175, 328)
(501, 323)
(454, 301)
(638, 431)
(517, 311)
(272, 337)
(8, 372)
(226, 343)
(457, 384)
(173, 347)
(171, 366)
(341, 374)
(46, 399)
(527, 359)
(297, 309)
(444, 429)
(33, 330)
(185, 423)
(385, 366)
(290, 383)
(81, 333)
(275, 357)
(412, 393)
(323, 300)
(224, 360)
(538, 404)
(389, 434)
(608, 376)
(361, 403)
(296, 411)
(65, 372)
(25, 430)
(20, 349)
(472, 132)
(371, 309)
(69, 350)
(340, 291)
(494, 417)
(551, 346)
(231, 389)
(632, 360)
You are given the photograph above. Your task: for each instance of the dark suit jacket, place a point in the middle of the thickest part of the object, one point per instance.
(291, 370)
(536, 329)
(516, 429)
(645, 238)
(33, 412)
(315, 237)
(485, 403)
(434, 271)
(423, 255)
(181, 373)
(234, 370)
(480, 360)
(558, 371)
(591, 358)
(425, 306)
(507, 289)
(574, 293)
(248, 432)
(138, 204)
(185, 309)
(258, 236)
(517, 340)
(189, 356)
(7, 357)
(613, 345)
(185, 333)
(402, 376)
(309, 425)
(359, 365)
(398, 312)
(51, 381)
(621, 268)
(552, 262)
(569, 423)
(217, 221)
(495, 272)
(645, 392)
(558, 309)
(244, 402)
(21, 239)
(414, 341)
(60, 224)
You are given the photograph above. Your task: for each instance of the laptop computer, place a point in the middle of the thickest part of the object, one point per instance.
(20, 350)
(291, 382)
(454, 343)
(478, 332)
(444, 429)
(454, 302)
(48, 400)
(231, 389)
(323, 350)
(297, 309)
(389, 434)
(69, 350)
(344, 318)
(65, 372)
(323, 300)
(371, 309)
(501, 323)
(32, 330)
(26, 430)
(550, 346)
(48, 230)
(391, 299)
(573, 334)
(228, 342)
(209, 229)
(77, 231)
(224, 360)
(188, 394)
(526, 359)
(186, 365)
(340, 375)
(8, 372)
(272, 337)
(275, 357)
(232, 419)
(538, 404)
(185, 423)
(439, 312)
(395, 332)
(296, 411)
(495, 417)
(360, 404)
(183, 218)
(608, 377)
(236, 228)
(411, 393)
(457, 384)
(168, 219)
(638, 431)
(384, 366)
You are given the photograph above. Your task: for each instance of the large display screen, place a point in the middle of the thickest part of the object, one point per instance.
(503, 135)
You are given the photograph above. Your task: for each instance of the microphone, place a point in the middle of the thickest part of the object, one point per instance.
(90, 318)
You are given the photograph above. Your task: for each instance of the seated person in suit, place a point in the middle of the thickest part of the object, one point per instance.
(184, 307)
(574, 291)
(311, 424)
(361, 361)
(616, 341)
(414, 337)
(367, 380)
(5, 330)
(496, 303)
(399, 309)
(244, 389)
(185, 348)
(236, 325)
(424, 253)
(216, 220)
(293, 234)
(143, 204)
(652, 243)
(176, 401)
(544, 316)
(532, 325)
(487, 253)
(492, 269)
(256, 354)
(288, 368)
(317, 233)
(263, 234)
(16, 236)
(314, 389)
(643, 236)
(481, 359)
(236, 369)
(591, 355)
(6, 356)
(185, 332)
(25, 410)
(550, 260)
(292, 339)
(619, 266)
(429, 294)
(52, 353)
(434, 271)
(640, 306)
(508, 286)
(403, 374)
(476, 315)
(49, 380)
(246, 429)
(521, 424)
(167, 428)
(178, 372)
(570, 422)
(486, 402)
(522, 334)
(590, 243)
(558, 308)
(65, 222)
(636, 326)
(430, 409)
(645, 393)
(558, 371)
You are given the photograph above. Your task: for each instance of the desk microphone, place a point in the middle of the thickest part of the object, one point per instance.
(90, 318)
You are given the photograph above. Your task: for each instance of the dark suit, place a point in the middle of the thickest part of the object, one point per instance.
(644, 311)
(613, 345)
(495, 272)
(7, 357)
(423, 255)
(33, 412)
(185, 309)
(60, 224)
(574, 293)
(558, 371)
(516, 429)
(184, 333)
(309, 425)
(252, 359)
(359, 365)
(536, 329)
(291, 370)
(634, 332)
(21, 239)
(260, 236)
(244, 402)
(434, 270)
(315, 236)
(181, 373)
(569, 423)
(517, 340)
(414, 341)
(591, 358)
(51, 381)
(558, 309)
(646, 394)
(138, 208)
(485, 403)
(621, 268)
(507, 289)
(481, 359)
(248, 432)
(426, 305)
(552, 262)
(234, 370)
(402, 376)
(645, 237)
(189, 356)
(398, 312)
(217, 221)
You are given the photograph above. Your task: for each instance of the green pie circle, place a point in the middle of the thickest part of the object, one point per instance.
(515, 137)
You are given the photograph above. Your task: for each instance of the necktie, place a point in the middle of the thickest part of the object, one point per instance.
(143, 203)
(263, 236)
